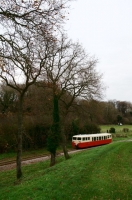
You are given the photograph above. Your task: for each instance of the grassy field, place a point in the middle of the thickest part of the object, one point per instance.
(119, 129)
(102, 173)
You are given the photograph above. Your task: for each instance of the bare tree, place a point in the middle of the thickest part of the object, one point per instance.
(19, 70)
(23, 24)
(35, 14)
(70, 69)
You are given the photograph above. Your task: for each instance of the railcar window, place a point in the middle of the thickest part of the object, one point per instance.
(94, 138)
(88, 138)
(79, 138)
(74, 138)
(83, 138)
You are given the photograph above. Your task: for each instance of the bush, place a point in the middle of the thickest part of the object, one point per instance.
(125, 129)
(112, 130)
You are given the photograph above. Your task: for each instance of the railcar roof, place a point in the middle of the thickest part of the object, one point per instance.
(92, 135)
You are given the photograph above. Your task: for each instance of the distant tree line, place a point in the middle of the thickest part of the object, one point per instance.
(84, 116)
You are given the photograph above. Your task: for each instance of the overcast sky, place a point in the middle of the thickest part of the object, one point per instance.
(104, 28)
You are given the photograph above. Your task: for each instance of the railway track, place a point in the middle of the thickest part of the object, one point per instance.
(5, 164)
(13, 161)
(30, 159)
(11, 164)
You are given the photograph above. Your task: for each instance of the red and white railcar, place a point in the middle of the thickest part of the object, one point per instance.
(91, 140)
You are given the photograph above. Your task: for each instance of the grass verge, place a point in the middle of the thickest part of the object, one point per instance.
(103, 173)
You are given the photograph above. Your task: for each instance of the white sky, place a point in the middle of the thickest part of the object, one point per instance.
(104, 28)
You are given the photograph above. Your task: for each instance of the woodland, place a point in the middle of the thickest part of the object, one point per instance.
(84, 116)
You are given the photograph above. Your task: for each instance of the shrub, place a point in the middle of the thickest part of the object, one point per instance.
(112, 130)
(125, 129)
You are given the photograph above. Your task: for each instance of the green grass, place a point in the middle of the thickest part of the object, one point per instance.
(119, 133)
(103, 173)
(119, 129)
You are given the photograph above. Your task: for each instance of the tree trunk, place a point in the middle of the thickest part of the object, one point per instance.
(54, 133)
(60, 133)
(56, 114)
(19, 139)
(52, 159)
(19, 153)
(66, 154)
(65, 151)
